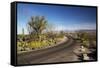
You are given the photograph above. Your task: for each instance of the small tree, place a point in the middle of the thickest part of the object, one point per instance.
(36, 26)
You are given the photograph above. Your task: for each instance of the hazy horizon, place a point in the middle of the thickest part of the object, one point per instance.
(61, 17)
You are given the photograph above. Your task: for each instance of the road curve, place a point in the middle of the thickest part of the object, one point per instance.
(60, 53)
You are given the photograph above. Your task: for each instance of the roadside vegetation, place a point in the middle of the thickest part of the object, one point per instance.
(40, 35)
(88, 45)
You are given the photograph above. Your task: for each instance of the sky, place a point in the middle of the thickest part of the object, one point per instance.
(60, 17)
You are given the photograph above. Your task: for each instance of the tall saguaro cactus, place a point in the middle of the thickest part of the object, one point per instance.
(23, 35)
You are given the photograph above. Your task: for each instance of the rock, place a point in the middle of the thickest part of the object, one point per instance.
(85, 57)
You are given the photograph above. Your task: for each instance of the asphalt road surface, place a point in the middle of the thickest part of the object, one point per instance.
(60, 53)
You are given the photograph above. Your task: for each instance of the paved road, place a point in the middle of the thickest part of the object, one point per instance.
(60, 53)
